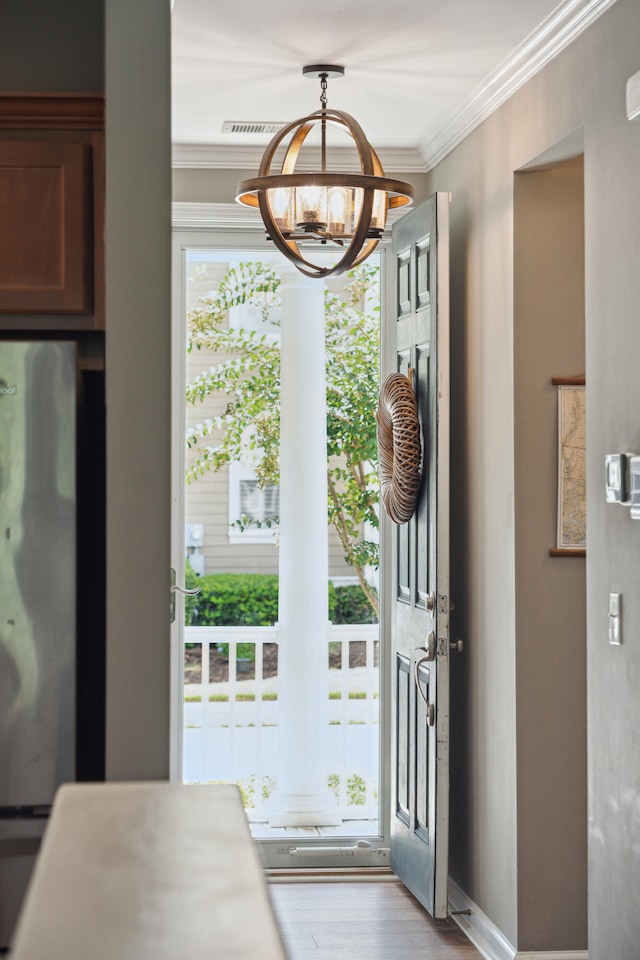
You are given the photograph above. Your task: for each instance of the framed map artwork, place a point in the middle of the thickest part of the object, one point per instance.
(572, 473)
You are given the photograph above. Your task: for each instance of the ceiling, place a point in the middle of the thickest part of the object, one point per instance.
(412, 67)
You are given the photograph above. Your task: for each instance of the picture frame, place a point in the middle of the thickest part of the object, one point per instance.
(571, 537)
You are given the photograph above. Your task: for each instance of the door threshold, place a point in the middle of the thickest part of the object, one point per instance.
(362, 829)
(332, 875)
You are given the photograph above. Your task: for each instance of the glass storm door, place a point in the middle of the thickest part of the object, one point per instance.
(226, 693)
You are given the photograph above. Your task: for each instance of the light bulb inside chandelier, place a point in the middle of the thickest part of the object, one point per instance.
(346, 210)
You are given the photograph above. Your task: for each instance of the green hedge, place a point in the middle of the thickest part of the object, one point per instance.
(351, 605)
(251, 599)
(235, 600)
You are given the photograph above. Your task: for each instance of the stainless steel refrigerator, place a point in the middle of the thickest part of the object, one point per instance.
(37, 600)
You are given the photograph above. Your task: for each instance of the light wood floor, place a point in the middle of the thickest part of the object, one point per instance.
(363, 921)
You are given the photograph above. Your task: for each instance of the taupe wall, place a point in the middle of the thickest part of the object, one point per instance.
(52, 47)
(551, 680)
(138, 373)
(583, 87)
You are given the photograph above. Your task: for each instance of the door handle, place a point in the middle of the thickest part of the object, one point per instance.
(173, 589)
(430, 708)
(429, 648)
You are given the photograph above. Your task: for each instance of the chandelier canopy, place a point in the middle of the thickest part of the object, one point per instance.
(348, 210)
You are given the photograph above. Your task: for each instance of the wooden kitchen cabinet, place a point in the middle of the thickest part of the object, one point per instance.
(51, 212)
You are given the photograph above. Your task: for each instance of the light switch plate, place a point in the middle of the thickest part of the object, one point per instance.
(633, 97)
(615, 619)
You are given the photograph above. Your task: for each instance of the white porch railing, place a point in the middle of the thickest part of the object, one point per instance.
(231, 724)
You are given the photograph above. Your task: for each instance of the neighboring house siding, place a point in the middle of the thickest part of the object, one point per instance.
(207, 499)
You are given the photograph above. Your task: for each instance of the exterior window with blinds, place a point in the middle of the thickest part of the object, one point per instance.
(259, 504)
(249, 502)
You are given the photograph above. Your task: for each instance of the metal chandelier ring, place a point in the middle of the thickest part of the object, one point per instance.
(399, 447)
(370, 179)
(247, 189)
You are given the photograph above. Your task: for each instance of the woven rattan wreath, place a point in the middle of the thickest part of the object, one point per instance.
(398, 447)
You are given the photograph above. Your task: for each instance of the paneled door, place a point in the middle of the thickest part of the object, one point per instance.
(420, 598)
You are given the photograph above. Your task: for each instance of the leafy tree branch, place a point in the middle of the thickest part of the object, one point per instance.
(247, 374)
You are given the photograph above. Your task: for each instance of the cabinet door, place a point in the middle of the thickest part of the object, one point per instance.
(44, 197)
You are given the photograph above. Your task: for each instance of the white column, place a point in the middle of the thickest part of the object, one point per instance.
(301, 797)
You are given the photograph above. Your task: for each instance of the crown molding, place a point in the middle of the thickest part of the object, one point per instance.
(552, 36)
(215, 216)
(233, 216)
(218, 156)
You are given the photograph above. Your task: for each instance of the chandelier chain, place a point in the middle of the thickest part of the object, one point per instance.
(323, 86)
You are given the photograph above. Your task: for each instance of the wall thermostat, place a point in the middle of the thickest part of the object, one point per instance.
(617, 477)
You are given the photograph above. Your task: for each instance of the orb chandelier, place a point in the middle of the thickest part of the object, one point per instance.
(347, 210)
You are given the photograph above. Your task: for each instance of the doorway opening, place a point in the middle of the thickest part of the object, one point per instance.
(549, 345)
(227, 692)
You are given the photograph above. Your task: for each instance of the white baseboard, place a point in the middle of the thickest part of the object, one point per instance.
(488, 939)
(483, 933)
(552, 955)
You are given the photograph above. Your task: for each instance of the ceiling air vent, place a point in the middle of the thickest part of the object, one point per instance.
(237, 126)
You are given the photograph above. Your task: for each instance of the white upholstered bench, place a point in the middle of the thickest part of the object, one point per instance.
(147, 871)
